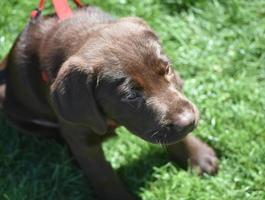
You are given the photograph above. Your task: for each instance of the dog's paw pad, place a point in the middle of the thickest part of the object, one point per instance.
(205, 161)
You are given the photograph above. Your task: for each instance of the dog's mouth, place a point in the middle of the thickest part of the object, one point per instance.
(166, 135)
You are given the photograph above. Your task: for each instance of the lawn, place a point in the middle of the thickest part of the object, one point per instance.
(218, 46)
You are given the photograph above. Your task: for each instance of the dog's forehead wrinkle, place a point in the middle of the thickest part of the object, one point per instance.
(136, 54)
(112, 74)
(131, 42)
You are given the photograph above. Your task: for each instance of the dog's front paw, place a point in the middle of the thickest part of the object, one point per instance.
(203, 160)
(192, 152)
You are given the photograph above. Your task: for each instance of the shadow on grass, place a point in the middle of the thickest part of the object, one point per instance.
(136, 174)
(37, 168)
(45, 169)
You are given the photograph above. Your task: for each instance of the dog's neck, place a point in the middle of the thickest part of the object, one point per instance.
(57, 45)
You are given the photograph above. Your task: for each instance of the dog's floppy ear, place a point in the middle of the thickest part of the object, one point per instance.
(72, 96)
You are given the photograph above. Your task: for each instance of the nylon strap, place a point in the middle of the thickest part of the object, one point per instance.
(63, 11)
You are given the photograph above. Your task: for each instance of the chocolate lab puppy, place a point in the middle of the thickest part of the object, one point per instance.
(101, 73)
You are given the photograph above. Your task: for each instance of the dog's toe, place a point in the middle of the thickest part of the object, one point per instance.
(205, 161)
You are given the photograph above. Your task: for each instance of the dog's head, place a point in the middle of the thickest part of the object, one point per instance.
(122, 74)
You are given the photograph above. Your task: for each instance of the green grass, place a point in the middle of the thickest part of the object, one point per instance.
(218, 46)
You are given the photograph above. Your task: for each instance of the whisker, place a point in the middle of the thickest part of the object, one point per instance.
(154, 134)
(160, 143)
(166, 148)
(163, 146)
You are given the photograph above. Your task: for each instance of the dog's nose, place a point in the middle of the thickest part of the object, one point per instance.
(185, 120)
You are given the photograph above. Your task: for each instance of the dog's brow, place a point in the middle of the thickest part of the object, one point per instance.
(151, 35)
(126, 85)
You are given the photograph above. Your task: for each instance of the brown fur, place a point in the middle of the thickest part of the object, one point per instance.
(103, 73)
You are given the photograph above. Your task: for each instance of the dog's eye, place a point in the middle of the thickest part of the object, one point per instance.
(132, 96)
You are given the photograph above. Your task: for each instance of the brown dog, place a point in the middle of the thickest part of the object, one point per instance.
(102, 73)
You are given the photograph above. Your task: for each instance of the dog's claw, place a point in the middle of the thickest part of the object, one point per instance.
(204, 161)
(192, 152)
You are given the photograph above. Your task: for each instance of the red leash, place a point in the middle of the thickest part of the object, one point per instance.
(35, 13)
(62, 10)
(78, 3)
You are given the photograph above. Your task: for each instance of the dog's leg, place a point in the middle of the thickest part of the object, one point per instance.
(192, 151)
(90, 157)
(3, 64)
